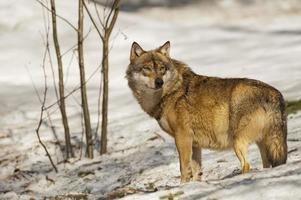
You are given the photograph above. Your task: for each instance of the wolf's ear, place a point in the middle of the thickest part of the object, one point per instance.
(136, 51)
(165, 48)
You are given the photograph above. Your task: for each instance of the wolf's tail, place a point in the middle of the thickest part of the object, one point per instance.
(276, 141)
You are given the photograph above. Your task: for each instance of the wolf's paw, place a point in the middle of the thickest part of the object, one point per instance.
(197, 177)
(245, 168)
(185, 179)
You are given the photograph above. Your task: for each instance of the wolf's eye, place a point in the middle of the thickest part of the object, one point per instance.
(162, 69)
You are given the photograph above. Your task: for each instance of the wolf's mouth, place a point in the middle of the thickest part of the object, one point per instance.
(153, 88)
(156, 89)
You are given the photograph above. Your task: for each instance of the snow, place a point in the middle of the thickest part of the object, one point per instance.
(142, 159)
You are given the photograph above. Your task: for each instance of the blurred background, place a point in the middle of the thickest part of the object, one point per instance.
(230, 38)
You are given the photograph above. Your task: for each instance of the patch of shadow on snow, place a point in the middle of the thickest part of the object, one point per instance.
(252, 182)
(115, 170)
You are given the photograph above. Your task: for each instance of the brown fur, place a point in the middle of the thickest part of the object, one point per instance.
(208, 112)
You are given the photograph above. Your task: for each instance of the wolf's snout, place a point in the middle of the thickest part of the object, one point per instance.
(158, 83)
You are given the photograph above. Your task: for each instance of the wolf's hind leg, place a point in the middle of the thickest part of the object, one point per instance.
(240, 149)
(196, 164)
(184, 147)
(264, 154)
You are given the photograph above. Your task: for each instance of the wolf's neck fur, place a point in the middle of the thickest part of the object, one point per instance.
(150, 101)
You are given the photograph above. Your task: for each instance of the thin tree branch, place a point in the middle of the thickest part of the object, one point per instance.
(75, 45)
(69, 67)
(93, 21)
(98, 16)
(46, 43)
(75, 89)
(47, 51)
(110, 13)
(115, 7)
(38, 134)
(34, 85)
(50, 125)
(41, 115)
(60, 17)
(93, 73)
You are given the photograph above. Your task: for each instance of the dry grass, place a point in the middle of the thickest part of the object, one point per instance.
(293, 106)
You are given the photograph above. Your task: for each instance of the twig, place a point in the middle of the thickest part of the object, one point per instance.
(73, 47)
(68, 67)
(41, 120)
(46, 43)
(93, 21)
(115, 8)
(159, 136)
(33, 84)
(110, 13)
(50, 125)
(62, 18)
(93, 73)
(50, 180)
(292, 150)
(98, 16)
(75, 89)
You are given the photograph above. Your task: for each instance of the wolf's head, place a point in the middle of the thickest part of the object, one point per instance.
(151, 70)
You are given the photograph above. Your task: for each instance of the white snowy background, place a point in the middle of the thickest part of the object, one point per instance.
(262, 41)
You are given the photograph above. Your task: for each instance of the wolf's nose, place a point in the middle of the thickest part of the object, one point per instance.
(158, 83)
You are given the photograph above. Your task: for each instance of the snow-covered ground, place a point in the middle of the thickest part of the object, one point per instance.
(142, 159)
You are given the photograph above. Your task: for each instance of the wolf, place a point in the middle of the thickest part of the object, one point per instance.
(208, 112)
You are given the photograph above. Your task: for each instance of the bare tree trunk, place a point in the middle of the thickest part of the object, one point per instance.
(85, 106)
(108, 27)
(69, 150)
(105, 71)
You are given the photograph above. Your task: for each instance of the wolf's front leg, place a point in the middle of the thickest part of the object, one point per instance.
(184, 147)
(196, 164)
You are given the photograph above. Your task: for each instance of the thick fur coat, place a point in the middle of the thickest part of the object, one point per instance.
(208, 112)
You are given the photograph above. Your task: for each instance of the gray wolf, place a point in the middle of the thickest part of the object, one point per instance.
(208, 112)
